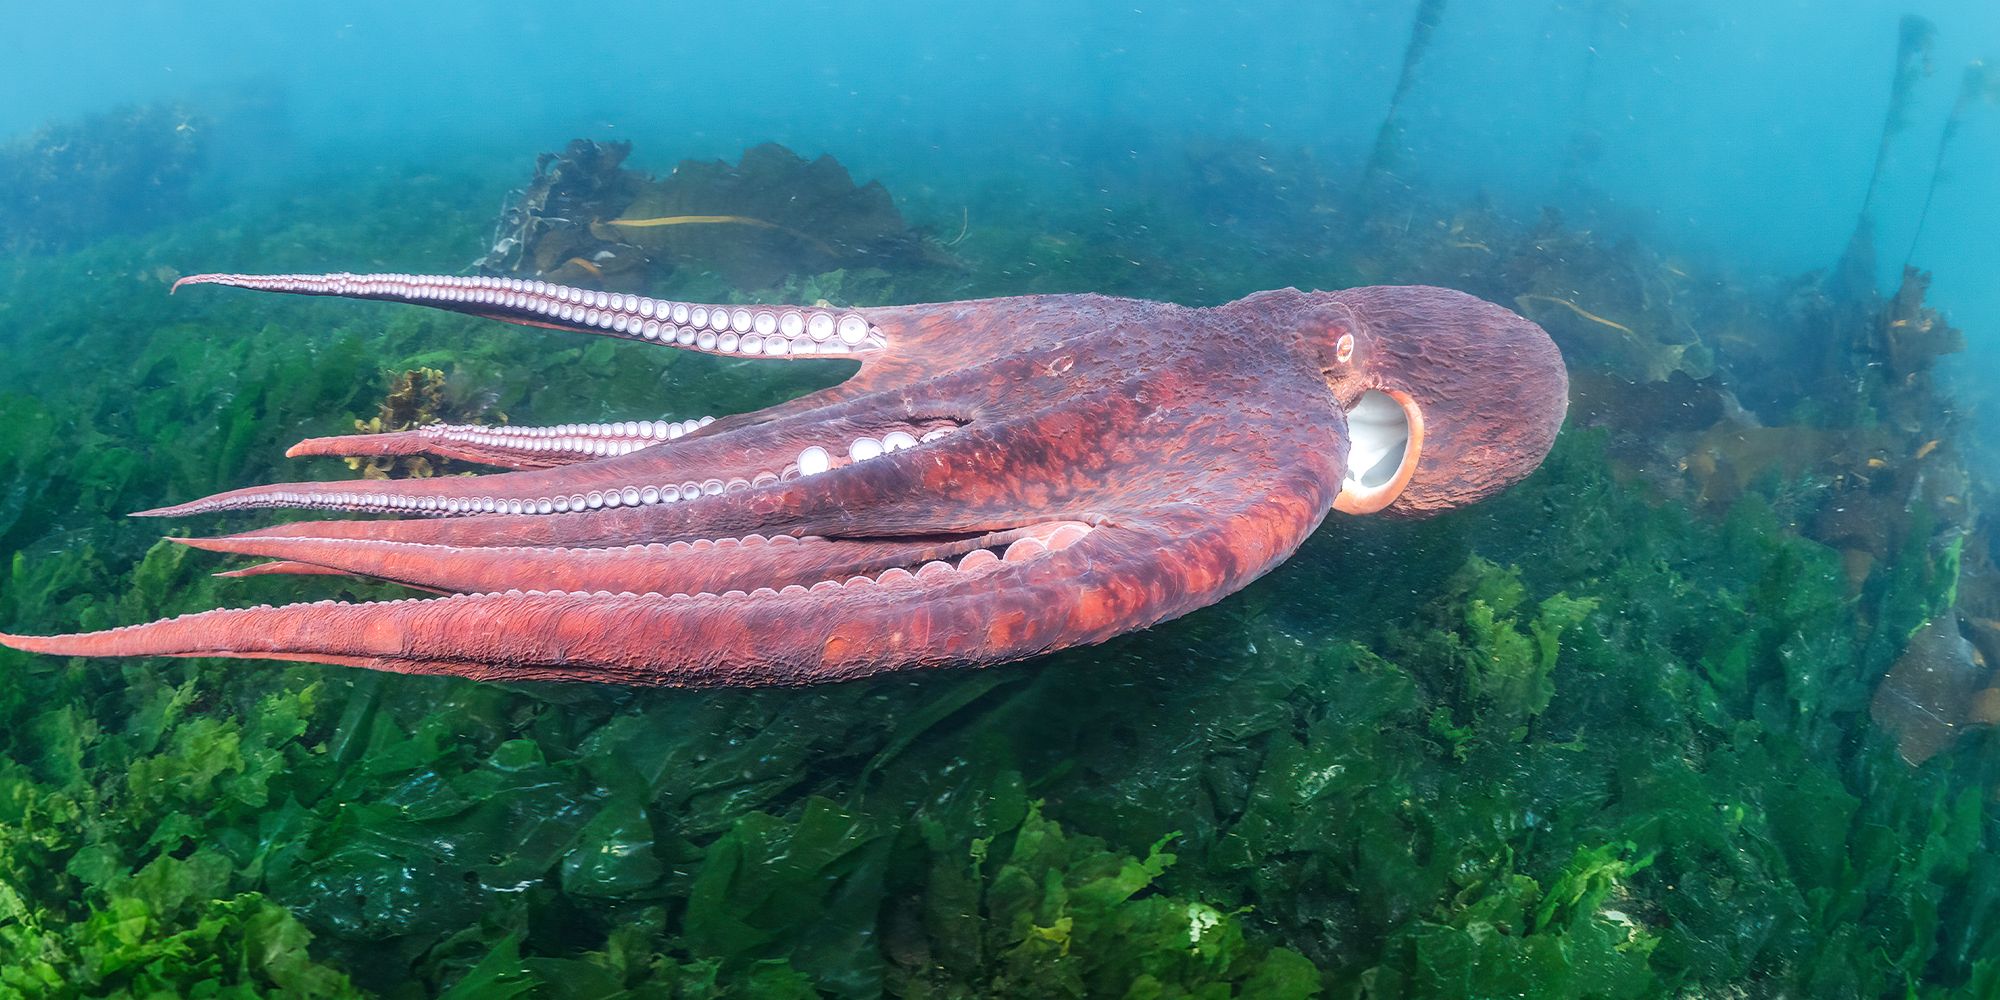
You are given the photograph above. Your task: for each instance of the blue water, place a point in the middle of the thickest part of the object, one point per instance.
(1742, 129)
(1729, 140)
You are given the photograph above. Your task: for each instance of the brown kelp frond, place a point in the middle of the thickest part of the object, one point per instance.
(418, 397)
(1927, 699)
(1915, 36)
(1979, 84)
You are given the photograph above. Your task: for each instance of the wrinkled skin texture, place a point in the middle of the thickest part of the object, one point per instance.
(1001, 478)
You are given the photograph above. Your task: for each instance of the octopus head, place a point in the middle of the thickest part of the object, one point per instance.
(1449, 398)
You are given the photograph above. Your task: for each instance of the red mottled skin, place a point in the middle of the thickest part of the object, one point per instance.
(1198, 447)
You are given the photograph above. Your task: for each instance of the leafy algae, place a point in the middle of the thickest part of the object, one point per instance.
(1578, 741)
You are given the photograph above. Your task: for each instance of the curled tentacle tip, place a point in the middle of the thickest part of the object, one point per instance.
(275, 567)
(261, 569)
(348, 445)
(337, 445)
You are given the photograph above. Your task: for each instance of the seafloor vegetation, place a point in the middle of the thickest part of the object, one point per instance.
(1608, 735)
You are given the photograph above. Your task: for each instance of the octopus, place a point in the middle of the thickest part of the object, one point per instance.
(999, 479)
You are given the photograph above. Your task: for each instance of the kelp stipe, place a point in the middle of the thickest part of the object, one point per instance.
(1388, 147)
(1980, 84)
(1854, 274)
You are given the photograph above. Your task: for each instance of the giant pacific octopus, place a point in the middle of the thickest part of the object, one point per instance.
(1001, 478)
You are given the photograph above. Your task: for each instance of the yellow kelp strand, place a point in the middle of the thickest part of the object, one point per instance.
(710, 220)
(1580, 311)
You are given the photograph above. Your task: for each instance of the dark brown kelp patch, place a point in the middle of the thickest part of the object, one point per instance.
(586, 219)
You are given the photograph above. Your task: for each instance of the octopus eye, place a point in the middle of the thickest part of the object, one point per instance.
(1344, 348)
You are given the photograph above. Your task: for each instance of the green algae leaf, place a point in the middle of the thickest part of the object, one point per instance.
(1584, 883)
(198, 754)
(774, 979)
(275, 943)
(170, 941)
(614, 853)
(1474, 958)
(799, 889)
(1282, 974)
(1508, 670)
(391, 869)
(1039, 912)
(97, 865)
(498, 976)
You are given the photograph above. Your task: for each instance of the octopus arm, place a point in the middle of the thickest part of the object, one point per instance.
(685, 568)
(1074, 584)
(890, 341)
(758, 331)
(509, 446)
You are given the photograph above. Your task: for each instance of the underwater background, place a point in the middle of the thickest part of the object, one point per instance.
(1704, 708)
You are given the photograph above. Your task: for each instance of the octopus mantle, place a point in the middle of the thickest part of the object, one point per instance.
(1000, 478)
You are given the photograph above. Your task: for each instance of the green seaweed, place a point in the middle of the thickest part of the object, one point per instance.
(1577, 741)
